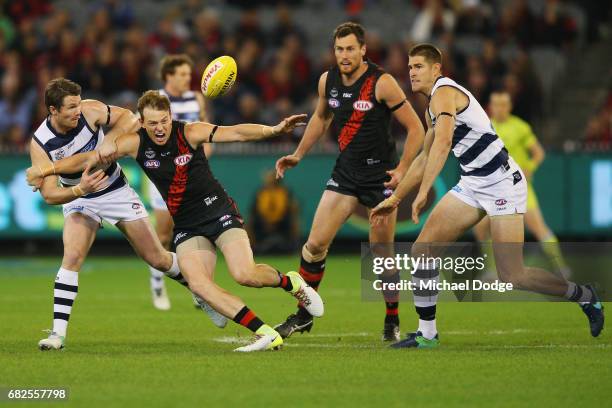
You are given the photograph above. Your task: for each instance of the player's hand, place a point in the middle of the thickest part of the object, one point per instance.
(91, 182)
(34, 177)
(107, 153)
(288, 124)
(380, 213)
(284, 163)
(396, 175)
(417, 206)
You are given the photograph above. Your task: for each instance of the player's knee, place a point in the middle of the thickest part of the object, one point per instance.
(314, 251)
(73, 259)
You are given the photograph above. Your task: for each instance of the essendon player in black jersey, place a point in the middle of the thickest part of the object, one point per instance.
(205, 218)
(360, 98)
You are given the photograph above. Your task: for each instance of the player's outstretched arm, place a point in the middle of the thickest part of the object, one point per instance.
(198, 133)
(48, 186)
(317, 125)
(120, 120)
(389, 92)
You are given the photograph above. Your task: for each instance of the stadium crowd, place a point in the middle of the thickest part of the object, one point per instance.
(114, 55)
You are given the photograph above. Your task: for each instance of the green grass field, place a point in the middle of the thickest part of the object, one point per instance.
(122, 352)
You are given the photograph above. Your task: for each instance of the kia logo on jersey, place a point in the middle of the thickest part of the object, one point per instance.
(334, 103)
(151, 164)
(363, 106)
(183, 159)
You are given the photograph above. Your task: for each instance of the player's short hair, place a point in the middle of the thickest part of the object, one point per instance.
(432, 54)
(348, 28)
(153, 100)
(168, 64)
(57, 89)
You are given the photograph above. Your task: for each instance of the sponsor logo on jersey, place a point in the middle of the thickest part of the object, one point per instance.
(149, 153)
(226, 223)
(500, 202)
(179, 236)
(183, 159)
(363, 106)
(517, 176)
(371, 162)
(347, 95)
(151, 164)
(334, 103)
(165, 154)
(135, 206)
(225, 217)
(332, 182)
(59, 155)
(333, 92)
(90, 145)
(457, 189)
(209, 200)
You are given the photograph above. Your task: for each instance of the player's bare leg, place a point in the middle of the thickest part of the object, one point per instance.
(194, 255)
(482, 232)
(507, 232)
(449, 219)
(163, 229)
(534, 221)
(144, 241)
(333, 210)
(236, 249)
(384, 233)
(78, 236)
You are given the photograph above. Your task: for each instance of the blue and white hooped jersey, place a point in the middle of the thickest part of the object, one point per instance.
(185, 107)
(78, 140)
(475, 144)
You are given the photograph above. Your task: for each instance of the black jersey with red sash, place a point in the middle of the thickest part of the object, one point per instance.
(184, 179)
(361, 122)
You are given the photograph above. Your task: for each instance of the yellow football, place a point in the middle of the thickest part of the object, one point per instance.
(219, 76)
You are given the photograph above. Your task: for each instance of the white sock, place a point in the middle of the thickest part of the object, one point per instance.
(428, 328)
(157, 278)
(64, 292)
(174, 268)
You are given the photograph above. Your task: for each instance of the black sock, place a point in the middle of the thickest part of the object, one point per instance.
(248, 319)
(392, 315)
(285, 282)
(426, 313)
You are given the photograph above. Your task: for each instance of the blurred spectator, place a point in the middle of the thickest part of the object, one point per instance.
(434, 20)
(599, 128)
(15, 113)
(274, 224)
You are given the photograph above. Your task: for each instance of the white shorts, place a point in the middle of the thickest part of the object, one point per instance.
(501, 193)
(122, 204)
(155, 198)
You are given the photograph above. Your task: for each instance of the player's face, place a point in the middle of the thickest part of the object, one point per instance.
(422, 73)
(500, 106)
(180, 81)
(158, 124)
(349, 54)
(67, 117)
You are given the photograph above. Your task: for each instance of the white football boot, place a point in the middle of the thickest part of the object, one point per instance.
(266, 338)
(217, 318)
(307, 296)
(53, 342)
(161, 301)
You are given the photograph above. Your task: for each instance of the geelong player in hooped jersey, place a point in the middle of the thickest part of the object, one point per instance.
(188, 106)
(360, 98)
(74, 127)
(170, 152)
(491, 184)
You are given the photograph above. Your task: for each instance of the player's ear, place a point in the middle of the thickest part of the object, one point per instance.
(363, 50)
(53, 110)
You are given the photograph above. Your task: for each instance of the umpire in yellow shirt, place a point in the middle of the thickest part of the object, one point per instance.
(525, 149)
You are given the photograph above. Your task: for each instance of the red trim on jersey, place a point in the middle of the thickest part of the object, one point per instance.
(179, 181)
(352, 126)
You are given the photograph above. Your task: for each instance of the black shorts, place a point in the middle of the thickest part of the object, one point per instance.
(368, 188)
(210, 230)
